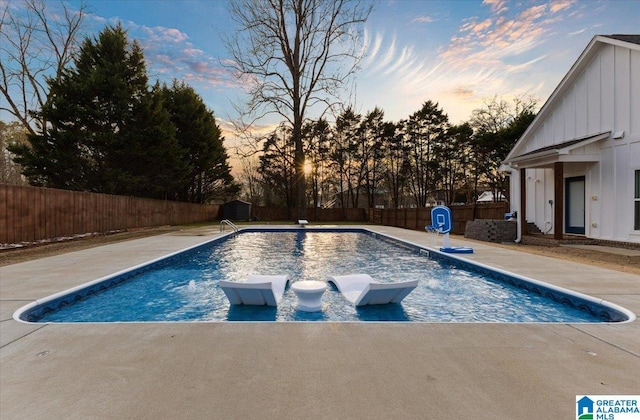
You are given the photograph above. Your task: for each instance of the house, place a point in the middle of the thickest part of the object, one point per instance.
(487, 197)
(576, 169)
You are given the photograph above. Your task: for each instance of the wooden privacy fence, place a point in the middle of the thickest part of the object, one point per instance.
(29, 214)
(417, 219)
(268, 214)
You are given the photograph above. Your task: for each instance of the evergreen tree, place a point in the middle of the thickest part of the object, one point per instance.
(277, 168)
(375, 134)
(452, 154)
(207, 173)
(151, 165)
(345, 157)
(317, 139)
(396, 162)
(104, 130)
(425, 129)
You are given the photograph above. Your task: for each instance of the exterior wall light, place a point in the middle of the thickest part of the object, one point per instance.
(618, 135)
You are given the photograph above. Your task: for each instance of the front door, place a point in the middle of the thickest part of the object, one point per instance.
(574, 205)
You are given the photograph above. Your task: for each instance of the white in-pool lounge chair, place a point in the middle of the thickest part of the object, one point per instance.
(360, 289)
(257, 290)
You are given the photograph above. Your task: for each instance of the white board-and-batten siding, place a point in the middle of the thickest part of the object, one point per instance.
(600, 94)
(604, 96)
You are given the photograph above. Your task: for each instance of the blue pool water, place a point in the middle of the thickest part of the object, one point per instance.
(184, 287)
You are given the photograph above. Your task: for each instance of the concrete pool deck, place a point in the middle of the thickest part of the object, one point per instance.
(311, 370)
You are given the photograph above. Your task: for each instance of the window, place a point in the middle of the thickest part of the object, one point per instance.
(636, 203)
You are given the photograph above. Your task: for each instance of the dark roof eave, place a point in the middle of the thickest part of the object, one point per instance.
(632, 38)
(560, 148)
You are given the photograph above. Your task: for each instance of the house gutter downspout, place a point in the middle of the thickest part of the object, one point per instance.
(515, 172)
(521, 202)
(516, 185)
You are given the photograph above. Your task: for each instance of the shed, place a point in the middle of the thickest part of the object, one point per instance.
(236, 210)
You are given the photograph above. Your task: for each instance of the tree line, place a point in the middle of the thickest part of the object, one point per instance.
(104, 128)
(299, 55)
(99, 125)
(361, 160)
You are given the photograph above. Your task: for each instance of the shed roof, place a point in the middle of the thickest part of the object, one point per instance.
(235, 202)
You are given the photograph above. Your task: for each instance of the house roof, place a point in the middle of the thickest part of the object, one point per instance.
(487, 197)
(631, 41)
(634, 39)
(553, 153)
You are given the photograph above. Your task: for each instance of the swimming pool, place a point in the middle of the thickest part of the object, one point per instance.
(183, 286)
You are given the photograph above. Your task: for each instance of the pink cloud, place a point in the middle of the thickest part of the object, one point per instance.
(162, 34)
(475, 27)
(163, 59)
(558, 6)
(192, 52)
(482, 25)
(507, 37)
(487, 50)
(497, 6)
(534, 12)
(169, 54)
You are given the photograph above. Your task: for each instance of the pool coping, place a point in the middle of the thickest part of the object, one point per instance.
(317, 370)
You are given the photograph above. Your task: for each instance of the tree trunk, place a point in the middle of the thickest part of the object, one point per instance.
(300, 182)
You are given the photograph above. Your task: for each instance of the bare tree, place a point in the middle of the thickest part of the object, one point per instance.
(497, 126)
(295, 55)
(251, 180)
(35, 43)
(497, 113)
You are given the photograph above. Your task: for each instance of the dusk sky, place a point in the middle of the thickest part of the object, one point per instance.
(457, 53)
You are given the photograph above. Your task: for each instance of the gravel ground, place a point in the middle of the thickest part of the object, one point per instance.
(624, 263)
(598, 258)
(47, 249)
